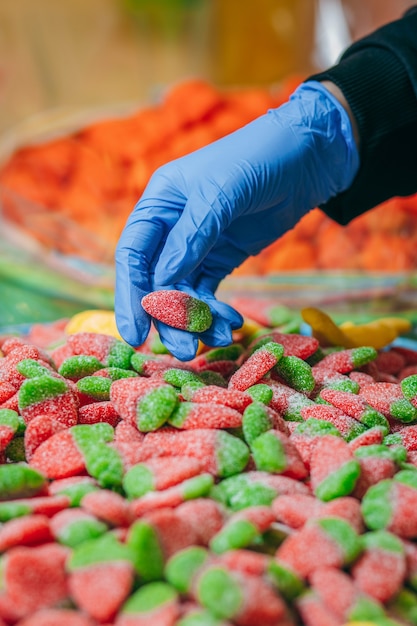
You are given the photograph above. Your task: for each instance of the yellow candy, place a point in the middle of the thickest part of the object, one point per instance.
(94, 321)
(377, 333)
(324, 329)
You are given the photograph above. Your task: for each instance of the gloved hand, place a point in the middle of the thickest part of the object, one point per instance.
(202, 215)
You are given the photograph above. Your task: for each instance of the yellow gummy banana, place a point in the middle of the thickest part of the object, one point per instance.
(377, 333)
(324, 329)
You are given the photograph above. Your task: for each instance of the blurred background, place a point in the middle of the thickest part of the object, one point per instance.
(77, 53)
(95, 94)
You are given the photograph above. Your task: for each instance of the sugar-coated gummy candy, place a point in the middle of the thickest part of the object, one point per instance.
(159, 473)
(79, 365)
(188, 415)
(274, 452)
(30, 530)
(47, 395)
(381, 568)
(242, 529)
(333, 469)
(258, 418)
(297, 373)
(153, 603)
(254, 368)
(321, 542)
(178, 309)
(243, 598)
(110, 351)
(346, 425)
(195, 487)
(19, 480)
(254, 488)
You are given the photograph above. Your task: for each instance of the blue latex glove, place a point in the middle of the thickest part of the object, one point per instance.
(202, 215)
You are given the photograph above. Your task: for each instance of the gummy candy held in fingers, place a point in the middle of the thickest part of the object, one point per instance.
(178, 309)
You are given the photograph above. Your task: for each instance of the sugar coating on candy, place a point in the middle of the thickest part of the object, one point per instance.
(381, 568)
(274, 452)
(73, 526)
(58, 456)
(388, 399)
(155, 407)
(154, 603)
(182, 566)
(347, 426)
(102, 588)
(57, 617)
(334, 471)
(256, 366)
(159, 473)
(204, 415)
(178, 309)
(205, 516)
(29, 530)
(296, 373)
(35, 577)
(78, 366)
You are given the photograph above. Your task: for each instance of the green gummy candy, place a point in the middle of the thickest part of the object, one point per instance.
(343, 535)
(138, 360)
(36, 390)
(15, 450)
(237, 534)
(403, 410)
(316, 428)
(197, 486)
(77, 491)
(286, 580)
(383, 540)
(376, 450)
(219, 592)
(105, 465)
(339, 483)
(404, 606)
(144, 543)
(210, 377)
(18, 480)
(260, 393)
(30, 368)
(363, 355)
(269, 453)
(297, 373)
(255, 421)
(409, 386)
(178, 377)
(366, 608)
(88, 434)
(181, 568)
(79, 531)
(79, 365)
(10, 418)
(156, 407)
(407, 477)
(96, 387)
(116, 373)
(101, 550)
(138, 480)
(344, 384)
(120, 355)
(376, 505)
(238, 492)
(188, 389)
(232, 454)
(148, 598)
(225, 353)
(199, 316)
(11, 510)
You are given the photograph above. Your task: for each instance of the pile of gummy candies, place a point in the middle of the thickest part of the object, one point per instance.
(272, 482)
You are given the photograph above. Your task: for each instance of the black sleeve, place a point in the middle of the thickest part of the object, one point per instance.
(378, 77)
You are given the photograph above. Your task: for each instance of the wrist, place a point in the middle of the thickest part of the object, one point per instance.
(338, 94)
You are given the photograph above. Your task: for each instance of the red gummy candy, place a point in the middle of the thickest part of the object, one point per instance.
(102, 588)
(35, 578)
